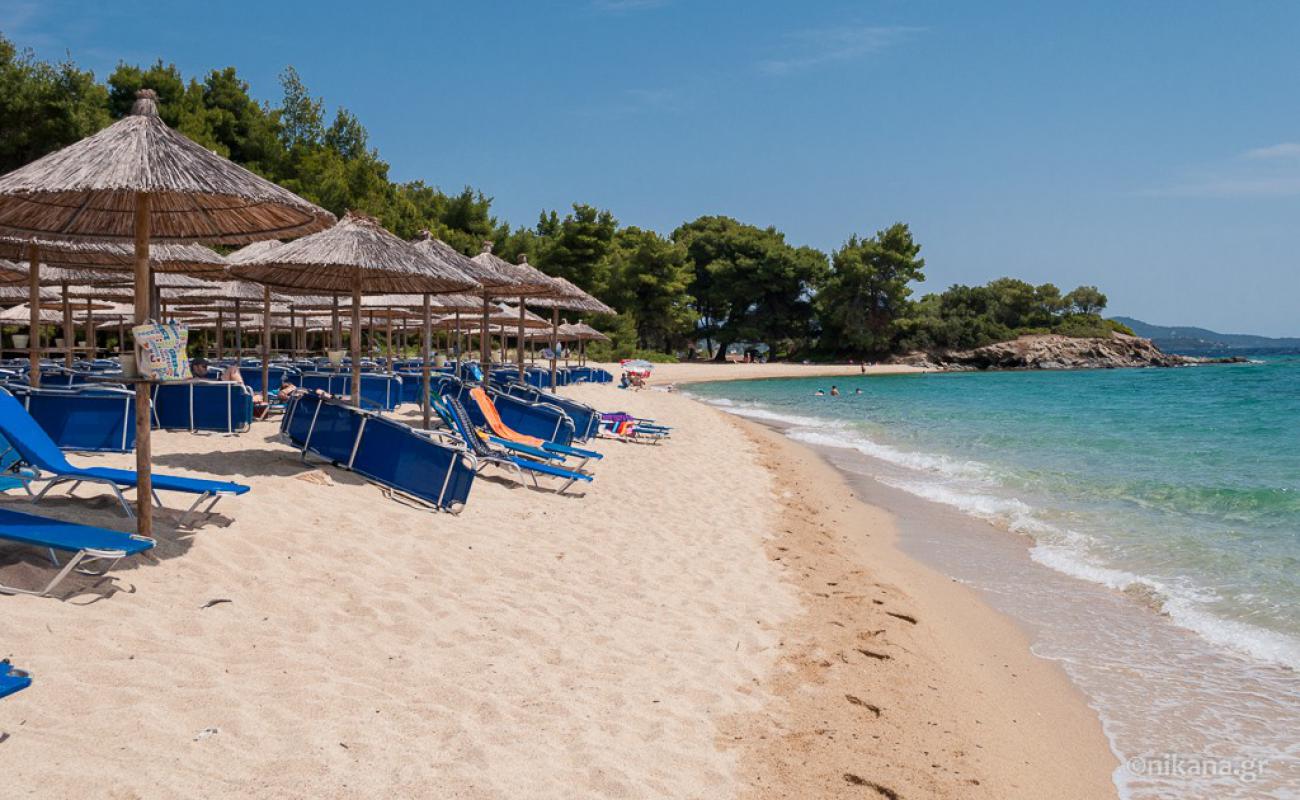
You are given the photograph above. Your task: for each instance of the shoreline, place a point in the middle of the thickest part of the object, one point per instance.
(897, 678)
(687, 372)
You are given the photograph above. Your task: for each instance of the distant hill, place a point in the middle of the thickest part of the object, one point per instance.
(1200, 341)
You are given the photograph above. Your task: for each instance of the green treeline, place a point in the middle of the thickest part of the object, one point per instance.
(711, 283)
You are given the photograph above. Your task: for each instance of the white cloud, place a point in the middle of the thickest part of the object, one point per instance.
(627, 5)
(638, 101)
(1280, 150)
(818, 46)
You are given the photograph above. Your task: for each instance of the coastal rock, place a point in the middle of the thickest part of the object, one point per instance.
(1052, 351)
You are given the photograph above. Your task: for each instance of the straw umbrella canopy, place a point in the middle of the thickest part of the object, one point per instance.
(138, 181)
(11, 273)
(572, 299)
(92, 264)
(355, 255)
(528, 282)
(21, 313)
(18, 294)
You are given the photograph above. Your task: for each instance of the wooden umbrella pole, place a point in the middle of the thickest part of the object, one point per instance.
(221, 332)
(460, 349)
(239, 334)
(485, 336)
(555, 340)
(519, 342)
(69, 335)
(34, 306)
(356, 339)
(426, 377)
(121, 337)
(91, 341)
(266, 343)
(388, 341)
(336, 330)
(143, 298)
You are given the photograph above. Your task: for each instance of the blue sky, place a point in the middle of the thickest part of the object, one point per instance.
(1152, 148)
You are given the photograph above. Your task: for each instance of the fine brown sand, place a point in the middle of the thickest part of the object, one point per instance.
(648, 639)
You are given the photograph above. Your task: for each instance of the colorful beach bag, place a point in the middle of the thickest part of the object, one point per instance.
(160, 350)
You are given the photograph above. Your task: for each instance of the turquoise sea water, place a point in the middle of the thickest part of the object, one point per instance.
(1183, 481)
(1178, 487)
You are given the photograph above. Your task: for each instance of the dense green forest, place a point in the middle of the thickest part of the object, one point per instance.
(711, 283)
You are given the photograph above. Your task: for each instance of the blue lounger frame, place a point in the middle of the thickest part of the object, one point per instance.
(387, 452)
(213, 406)
(90, 418)
(13, 680)
(40, 459)
(84, 543)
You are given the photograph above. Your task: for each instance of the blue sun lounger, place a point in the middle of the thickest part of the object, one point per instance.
(213, 406)
(42, 460)
(87, 418)
(12, 680)
(83, 542)
(530, 464)
(387, 452)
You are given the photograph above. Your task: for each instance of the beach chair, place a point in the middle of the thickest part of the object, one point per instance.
(88, 418)
(586, 420)
(488, 410)
(524, 461)
(387, 452)
(625, 427)
(211, 406)
(42, 460)
(12, 680)
(84, 543)
(379, 390)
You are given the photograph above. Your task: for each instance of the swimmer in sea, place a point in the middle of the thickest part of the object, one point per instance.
(835, 391)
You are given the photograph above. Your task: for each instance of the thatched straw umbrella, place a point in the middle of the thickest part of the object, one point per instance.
(99, 263)
(22, 313)
(136, 181)
(489, 280)
(11, 273)
(573, 299)
(227, 297)
(355, 255)
(529, 282)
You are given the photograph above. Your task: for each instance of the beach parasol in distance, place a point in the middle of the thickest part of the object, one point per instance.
(572, 299)
(528, 282)
(139, 181)
(356, 255)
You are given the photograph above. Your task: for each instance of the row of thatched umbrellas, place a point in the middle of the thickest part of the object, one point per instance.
(140, 182)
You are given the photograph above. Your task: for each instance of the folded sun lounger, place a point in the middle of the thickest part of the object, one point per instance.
(82, 541)
(42, 460)
(385, 451)
(12, 680)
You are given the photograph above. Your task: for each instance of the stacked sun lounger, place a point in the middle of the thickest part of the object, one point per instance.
(86, 418)
(383, 450)
(379, 390)
(213, 406)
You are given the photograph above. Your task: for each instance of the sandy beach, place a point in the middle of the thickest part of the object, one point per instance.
(708, 620)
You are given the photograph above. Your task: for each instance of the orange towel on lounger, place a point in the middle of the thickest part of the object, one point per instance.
(495, 423)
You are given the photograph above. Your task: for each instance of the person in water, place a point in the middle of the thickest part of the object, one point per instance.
(835, 391)
(857, 391)
(819, 393)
